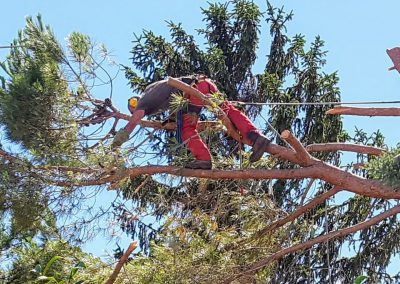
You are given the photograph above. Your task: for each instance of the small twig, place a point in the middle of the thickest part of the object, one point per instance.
(303, 197)
(142, 184)
(121, 263)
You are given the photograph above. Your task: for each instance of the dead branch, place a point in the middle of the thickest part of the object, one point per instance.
(333, 147)
(324, 238)
(121, 263)
(389, 111)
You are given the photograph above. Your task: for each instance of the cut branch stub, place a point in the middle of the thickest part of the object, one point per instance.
(304, 158)
(365, 111)
(333, 147)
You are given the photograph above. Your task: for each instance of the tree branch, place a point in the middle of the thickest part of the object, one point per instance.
(302, 246)
(319, 170)
(301, 152)
(333, 147)
(121, 263)
(365, 111)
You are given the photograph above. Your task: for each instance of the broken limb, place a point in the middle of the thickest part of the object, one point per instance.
(300, 152)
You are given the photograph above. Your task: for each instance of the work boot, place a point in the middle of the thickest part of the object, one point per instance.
(199, 164)
(260, 144)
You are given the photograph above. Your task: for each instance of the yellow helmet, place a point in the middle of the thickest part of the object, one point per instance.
(132, 104)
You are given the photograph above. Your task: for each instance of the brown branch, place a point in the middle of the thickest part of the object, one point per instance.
(142, 184)
(301, 153)
(7, 156)
(121, 263)
(202, 125)
(324, 238)
(115, 175)
(319, 170)
(333, 147)
(389, 111)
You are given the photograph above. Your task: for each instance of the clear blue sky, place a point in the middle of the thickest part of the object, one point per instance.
(356, 33)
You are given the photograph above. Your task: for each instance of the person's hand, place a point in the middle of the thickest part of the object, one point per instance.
(120, 138)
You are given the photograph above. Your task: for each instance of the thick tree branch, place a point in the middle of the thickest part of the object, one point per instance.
(333, 147)
(390, 111)
(319, 170)
(202, 125)
(301, 152)
(6, 155)
(324, 238)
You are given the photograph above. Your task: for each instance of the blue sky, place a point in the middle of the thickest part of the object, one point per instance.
(356, 34)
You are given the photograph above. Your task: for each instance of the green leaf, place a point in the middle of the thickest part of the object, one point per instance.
(360, 279)
(37, 269)
(74, 270)
(46, 278)
(50, 263)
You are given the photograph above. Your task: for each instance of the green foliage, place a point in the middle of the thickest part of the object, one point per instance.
(187, 253)
(56, 262)
(23, 206)
(385, 168)
(35, 103)
(80, 46)
(360, 279)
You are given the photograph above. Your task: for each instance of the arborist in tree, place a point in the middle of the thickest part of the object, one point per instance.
(156, 98)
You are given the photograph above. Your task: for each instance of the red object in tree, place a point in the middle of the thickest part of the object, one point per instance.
(192, 139)
(189, 133)
(394, 55)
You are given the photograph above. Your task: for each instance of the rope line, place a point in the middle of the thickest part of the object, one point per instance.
(318, 103)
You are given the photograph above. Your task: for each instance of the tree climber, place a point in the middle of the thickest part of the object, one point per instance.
(156, 97)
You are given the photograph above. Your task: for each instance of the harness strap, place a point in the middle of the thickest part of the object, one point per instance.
(179, 126)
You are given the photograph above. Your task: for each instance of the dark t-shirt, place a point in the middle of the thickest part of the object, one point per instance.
(156, 97)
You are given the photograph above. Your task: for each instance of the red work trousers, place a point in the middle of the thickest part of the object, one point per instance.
(197, 147)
